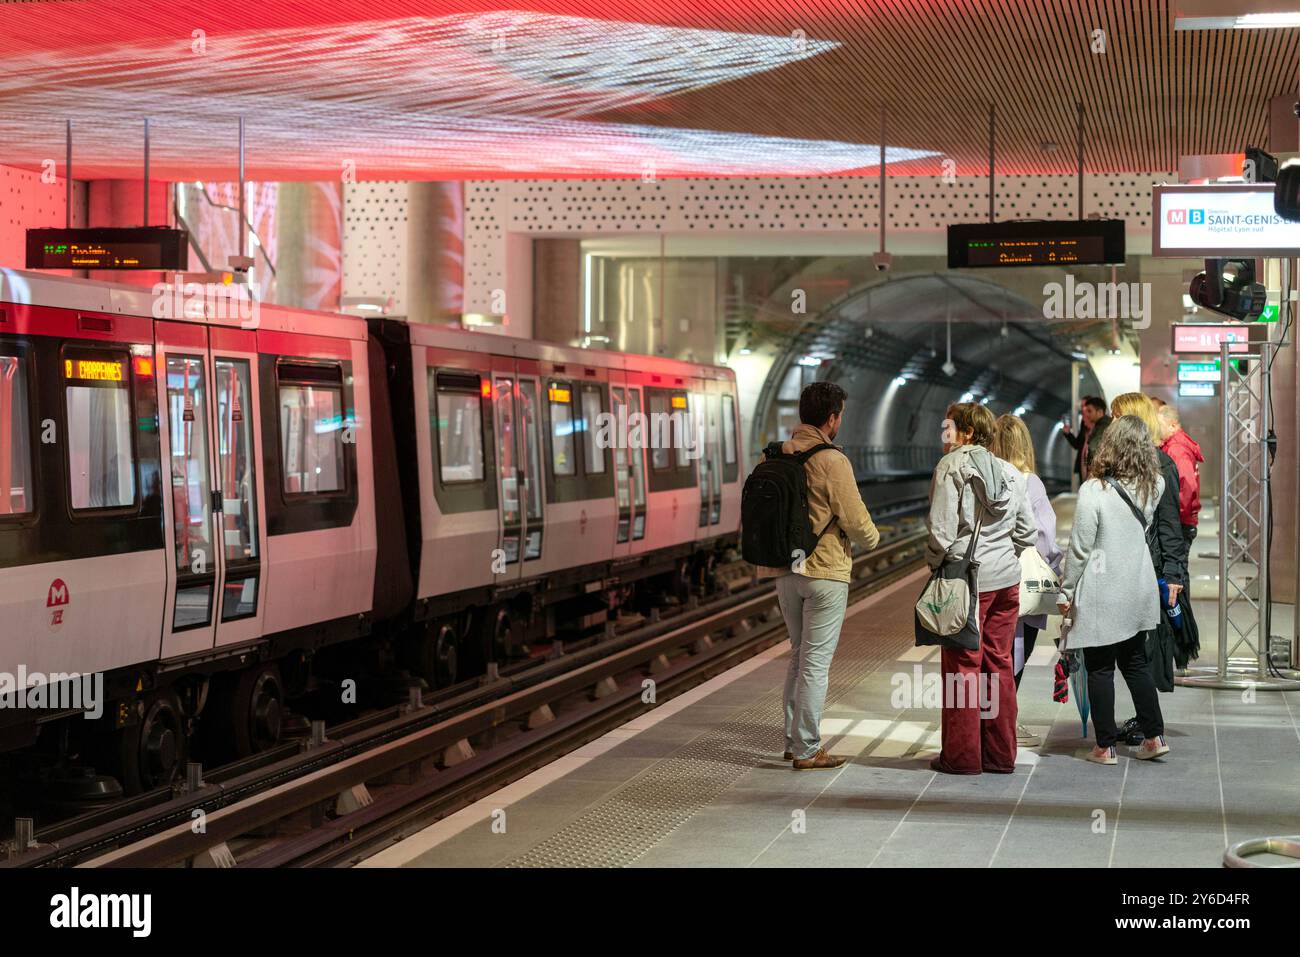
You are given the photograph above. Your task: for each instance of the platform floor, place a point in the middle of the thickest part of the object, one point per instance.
(698, 781)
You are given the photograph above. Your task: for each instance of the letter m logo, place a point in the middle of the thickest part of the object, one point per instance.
(1176, 217)
(58, 594)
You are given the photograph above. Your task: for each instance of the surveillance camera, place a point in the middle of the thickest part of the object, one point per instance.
(882, 261)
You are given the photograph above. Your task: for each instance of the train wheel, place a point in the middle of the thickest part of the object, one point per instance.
(257, 710)
(152, 752)
(436, 657)
(503, 629)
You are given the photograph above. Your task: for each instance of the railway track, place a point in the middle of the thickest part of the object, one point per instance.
(337, 798)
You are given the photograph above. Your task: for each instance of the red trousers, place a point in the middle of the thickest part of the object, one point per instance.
(979, 692)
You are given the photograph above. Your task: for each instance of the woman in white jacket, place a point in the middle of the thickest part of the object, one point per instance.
(1111, 594)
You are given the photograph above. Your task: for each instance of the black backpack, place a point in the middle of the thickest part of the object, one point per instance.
(774, 526)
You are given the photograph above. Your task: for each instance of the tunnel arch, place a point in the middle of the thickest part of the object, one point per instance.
(886, 342)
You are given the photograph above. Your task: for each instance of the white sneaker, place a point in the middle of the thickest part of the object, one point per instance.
(1026, 738)
(1151, 748)
(1103, 755)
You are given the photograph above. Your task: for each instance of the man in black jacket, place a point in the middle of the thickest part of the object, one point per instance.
(1092, 423)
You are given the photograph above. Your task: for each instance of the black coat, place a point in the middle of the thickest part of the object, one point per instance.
(1091, 436)
(1169, 551)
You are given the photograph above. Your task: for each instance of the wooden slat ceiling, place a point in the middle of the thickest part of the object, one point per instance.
(417, 90)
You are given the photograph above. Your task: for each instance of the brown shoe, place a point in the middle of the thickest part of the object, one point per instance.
(821, 761)
(788, 756)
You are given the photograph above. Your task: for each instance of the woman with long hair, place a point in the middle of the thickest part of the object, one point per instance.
(1012, 443)
(1168, 545)
(1110, 596)
(972, 485)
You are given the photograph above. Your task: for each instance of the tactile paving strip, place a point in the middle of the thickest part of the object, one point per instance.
(661, 799)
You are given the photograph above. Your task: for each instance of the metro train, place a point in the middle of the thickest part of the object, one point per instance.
(199, 507)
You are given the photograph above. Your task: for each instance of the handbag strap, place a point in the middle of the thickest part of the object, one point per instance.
(1128, 501)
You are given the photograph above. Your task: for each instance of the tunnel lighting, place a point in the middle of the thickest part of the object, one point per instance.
(1243, 21)
(1020, 410)
(967, 397)
(1256, 21)
(900, 380)
(985, 400)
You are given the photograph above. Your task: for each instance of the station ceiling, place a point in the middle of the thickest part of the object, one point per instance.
(396, 89)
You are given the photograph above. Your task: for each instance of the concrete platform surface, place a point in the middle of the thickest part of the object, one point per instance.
(699, 780)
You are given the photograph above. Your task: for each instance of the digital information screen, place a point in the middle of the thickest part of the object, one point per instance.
(96, 369)
(1206, 338)
(1087, 242)
(1197, 389)
(1220, 221)
(1198, 371)
(154, 247)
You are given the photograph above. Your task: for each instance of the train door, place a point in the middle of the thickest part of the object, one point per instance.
(630, 459)
(517, 421)
(622, 463)
(212, 505)
(713, 434)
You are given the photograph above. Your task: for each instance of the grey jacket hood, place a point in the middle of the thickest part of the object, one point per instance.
(998, 499)
(982, 474)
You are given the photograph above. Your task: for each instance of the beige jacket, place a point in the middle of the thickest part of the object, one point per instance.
(832, 491)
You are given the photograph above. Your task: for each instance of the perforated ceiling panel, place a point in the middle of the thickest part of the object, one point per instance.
(374, 242)
(27, 203)
(486, 205)
(806, 204)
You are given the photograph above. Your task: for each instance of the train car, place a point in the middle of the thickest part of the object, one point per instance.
(197, 504)
(523, 517)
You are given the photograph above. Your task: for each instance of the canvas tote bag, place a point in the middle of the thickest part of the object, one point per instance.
(948, 611)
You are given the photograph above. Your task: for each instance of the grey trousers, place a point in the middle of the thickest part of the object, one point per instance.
(813, 609)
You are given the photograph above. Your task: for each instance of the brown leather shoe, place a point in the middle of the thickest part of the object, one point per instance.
(821, 761)
(788, 756)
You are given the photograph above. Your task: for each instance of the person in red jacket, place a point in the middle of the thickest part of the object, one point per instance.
(1182, 448)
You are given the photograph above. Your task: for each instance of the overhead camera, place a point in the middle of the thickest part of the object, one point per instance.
(883, 261)
(1228, 286)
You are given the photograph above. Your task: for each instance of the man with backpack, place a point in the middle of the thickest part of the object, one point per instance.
(797, 492)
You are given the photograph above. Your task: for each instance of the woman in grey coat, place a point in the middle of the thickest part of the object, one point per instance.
(1111, 594)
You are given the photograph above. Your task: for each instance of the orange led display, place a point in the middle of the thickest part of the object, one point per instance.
(94, 370)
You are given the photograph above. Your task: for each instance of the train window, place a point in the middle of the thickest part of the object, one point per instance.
(685, 439)
(187, 417)
(235, 459)
(592, 407)
(636, 451)
(101, 458)
(532, 466)
(239, 598)
(457, 400)
(560, 397)
(660, 436)
(311, 429)
(15, 438)
(729, 434)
